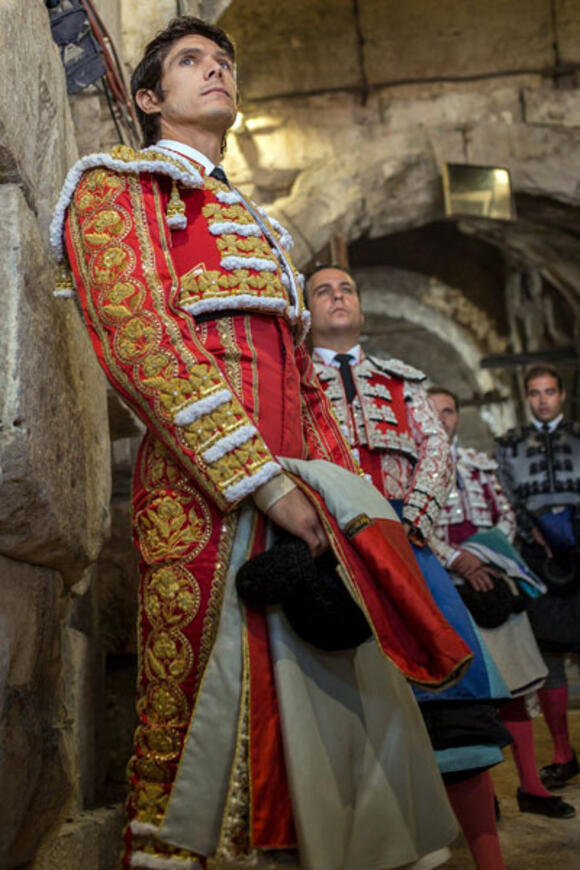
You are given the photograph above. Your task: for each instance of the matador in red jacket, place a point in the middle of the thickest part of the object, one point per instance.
(248, 735)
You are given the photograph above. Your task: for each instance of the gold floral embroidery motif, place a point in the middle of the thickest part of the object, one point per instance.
(168, 656)
(104, 227)
(166, 704)
(162, 744)
(247, 459)
(197, 284)
(98, 187)
(150, 801)
(172, 596)
(111, 264)
(137, 338)
(176, 393)
(171, 527)
(216, 213)
(234, 246)
(122, 300)
(151, 770)
(160, 469)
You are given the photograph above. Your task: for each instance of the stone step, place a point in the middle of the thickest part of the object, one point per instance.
(92, 840)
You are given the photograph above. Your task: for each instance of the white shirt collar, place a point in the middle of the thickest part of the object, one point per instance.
(455, 448)
(187, 151)
(327, 355)
(553, 424)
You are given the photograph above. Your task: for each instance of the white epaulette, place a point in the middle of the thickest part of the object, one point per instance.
(397, 367)
(481, 461)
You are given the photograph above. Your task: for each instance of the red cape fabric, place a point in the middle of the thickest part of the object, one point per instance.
(385, 580)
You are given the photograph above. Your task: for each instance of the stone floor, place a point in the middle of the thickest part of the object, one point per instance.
(529, 841)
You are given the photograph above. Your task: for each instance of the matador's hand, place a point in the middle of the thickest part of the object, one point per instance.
(294, 513)
(466, 564)
(414, 534)
(482, 579)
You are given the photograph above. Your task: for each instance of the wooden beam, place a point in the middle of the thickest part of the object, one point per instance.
(567, 355)
(339, 251)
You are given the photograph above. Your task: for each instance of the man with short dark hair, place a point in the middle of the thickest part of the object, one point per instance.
(383, 407)
(473, 538)
(539, 466)
(251, 741)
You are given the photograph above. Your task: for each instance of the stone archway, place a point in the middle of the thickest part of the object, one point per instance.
(413, 317)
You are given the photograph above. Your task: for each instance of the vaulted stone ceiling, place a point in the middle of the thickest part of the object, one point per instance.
(350, 107)
(318, 46)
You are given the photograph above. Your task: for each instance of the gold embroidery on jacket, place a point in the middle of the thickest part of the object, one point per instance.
(172, 596)
(215, 212)
(106, 226)
(200, 283)
(171, 527)
(251, 246)
(168, 656)
(233, 354)
(138, 342)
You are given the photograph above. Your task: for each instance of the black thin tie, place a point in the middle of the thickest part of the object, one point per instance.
(343, 359)
(218, 173)
(546, 428)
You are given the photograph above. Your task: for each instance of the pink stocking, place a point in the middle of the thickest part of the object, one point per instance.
(515, 717)
(472, 802)
(554, 704)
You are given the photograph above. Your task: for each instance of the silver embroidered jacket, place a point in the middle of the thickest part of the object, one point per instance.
(476, 502)
(393, 426)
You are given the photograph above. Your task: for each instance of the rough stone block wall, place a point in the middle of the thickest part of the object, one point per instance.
(54, 464)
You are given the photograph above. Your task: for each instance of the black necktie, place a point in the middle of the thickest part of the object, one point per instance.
(218, 173)
(546, 428)
(343, 359)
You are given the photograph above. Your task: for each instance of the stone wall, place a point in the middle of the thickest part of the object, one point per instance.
(54, 460)
(337, 138)
(344, 136)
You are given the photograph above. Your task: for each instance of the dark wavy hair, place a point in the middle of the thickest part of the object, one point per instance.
(149, 71)
(435, 390)
(540, 370)
(321, 268)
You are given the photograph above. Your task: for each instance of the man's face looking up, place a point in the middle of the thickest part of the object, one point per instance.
(199, 88)
(335, 307)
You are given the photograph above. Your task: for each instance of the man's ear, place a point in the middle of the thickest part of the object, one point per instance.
(148, 101)
(563, 394)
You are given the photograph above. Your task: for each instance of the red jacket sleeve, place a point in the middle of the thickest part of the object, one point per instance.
(118, 246)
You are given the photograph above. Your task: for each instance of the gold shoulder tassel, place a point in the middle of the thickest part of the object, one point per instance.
(64, 287)
(176, 209)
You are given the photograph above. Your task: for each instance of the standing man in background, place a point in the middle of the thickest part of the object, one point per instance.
(478, 513)
(539, 466)
(395, 434)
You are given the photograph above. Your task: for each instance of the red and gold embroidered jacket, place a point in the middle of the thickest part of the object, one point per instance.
(401, 443)
(476, 502)
(151, 242)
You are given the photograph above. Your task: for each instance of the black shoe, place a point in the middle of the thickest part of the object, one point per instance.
(552, 806)
(557, 775)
